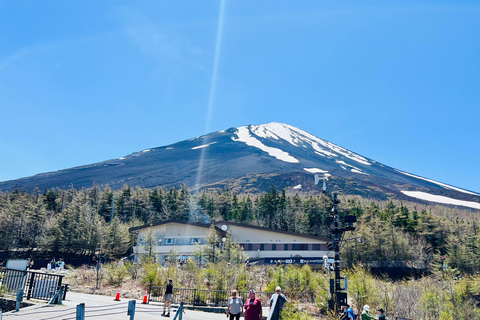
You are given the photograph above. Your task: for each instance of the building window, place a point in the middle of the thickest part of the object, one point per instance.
(168, 241)
(262, 247)
(316, 246)
(194, 240)
(274, 247)
(300, 246)
(285, 247)
(249, 247)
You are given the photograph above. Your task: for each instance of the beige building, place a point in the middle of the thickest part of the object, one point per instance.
(261, 245)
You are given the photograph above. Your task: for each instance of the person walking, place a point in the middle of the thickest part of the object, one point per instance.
(349, 313)
(366, 315)
(281, 299)
(167, 298)
(253, 307)
(381, 314)
(61, 264)
(235, 306)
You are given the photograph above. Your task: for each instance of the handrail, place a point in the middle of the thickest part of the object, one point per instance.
(35, 284)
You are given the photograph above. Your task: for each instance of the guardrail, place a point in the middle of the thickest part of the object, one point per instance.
(217, 298)
(36, 285)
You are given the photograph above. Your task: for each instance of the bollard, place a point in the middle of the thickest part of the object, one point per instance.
(60, 295)
(19, 299)
(179, 313)
(80, 311)
(131, 309)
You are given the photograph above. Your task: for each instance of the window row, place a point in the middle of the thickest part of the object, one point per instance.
(172, 241)
(284, 247)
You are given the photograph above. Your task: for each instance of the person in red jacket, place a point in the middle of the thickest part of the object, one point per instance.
(253, 307)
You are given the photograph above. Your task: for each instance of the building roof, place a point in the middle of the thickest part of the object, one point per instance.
(203, 225)
(271, 230)
(206, 225)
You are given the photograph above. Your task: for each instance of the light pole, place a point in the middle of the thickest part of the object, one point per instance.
(339, 296)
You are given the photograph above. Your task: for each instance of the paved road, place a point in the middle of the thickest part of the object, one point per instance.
(101, 307)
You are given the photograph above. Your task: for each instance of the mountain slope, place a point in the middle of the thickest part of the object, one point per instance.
(251, 158)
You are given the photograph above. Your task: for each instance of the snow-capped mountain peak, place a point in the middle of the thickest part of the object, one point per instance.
(253, 134)
(252, 158)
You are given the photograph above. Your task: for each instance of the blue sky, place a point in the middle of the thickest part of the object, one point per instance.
(395, 81)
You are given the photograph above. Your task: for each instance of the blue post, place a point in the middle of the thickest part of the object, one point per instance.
(19, 299)
(131, 309)
(80, 311)
(60, 295)
(179, 313)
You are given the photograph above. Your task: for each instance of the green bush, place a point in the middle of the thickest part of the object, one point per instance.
(292, 312)
(116, 274)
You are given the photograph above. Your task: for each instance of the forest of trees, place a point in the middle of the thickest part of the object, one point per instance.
(82, 220)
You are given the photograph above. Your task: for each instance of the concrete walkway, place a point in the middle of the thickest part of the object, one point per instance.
(102, 307)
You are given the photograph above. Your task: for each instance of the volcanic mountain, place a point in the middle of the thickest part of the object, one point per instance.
(251, 159)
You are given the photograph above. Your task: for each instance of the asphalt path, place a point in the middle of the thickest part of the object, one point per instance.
(102, 307)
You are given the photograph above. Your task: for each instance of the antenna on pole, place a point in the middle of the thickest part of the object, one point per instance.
(317, 180)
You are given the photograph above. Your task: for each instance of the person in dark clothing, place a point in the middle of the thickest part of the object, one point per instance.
(381, 314)
(167, 298)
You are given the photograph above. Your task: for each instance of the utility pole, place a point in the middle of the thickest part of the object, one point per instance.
(339, 294)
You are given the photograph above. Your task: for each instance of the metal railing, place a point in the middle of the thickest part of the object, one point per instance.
(217, 298)
(36, 285)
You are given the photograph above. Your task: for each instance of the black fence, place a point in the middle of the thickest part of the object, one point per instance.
(216, 298)
(35, 285)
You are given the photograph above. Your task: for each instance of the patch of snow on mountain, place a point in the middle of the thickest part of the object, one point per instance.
(146, 150)
(203, 146)
(358, 171)
(297, 187)
(322, 152)
(263, 132)
(439, 183)
(344, 166)
(298, 137)
(244, 135)
(276, 130)
(122, 158)
(315, 170)
(441, 199)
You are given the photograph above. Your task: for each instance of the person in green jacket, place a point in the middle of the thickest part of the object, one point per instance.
(366, 315)
(381, 314)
